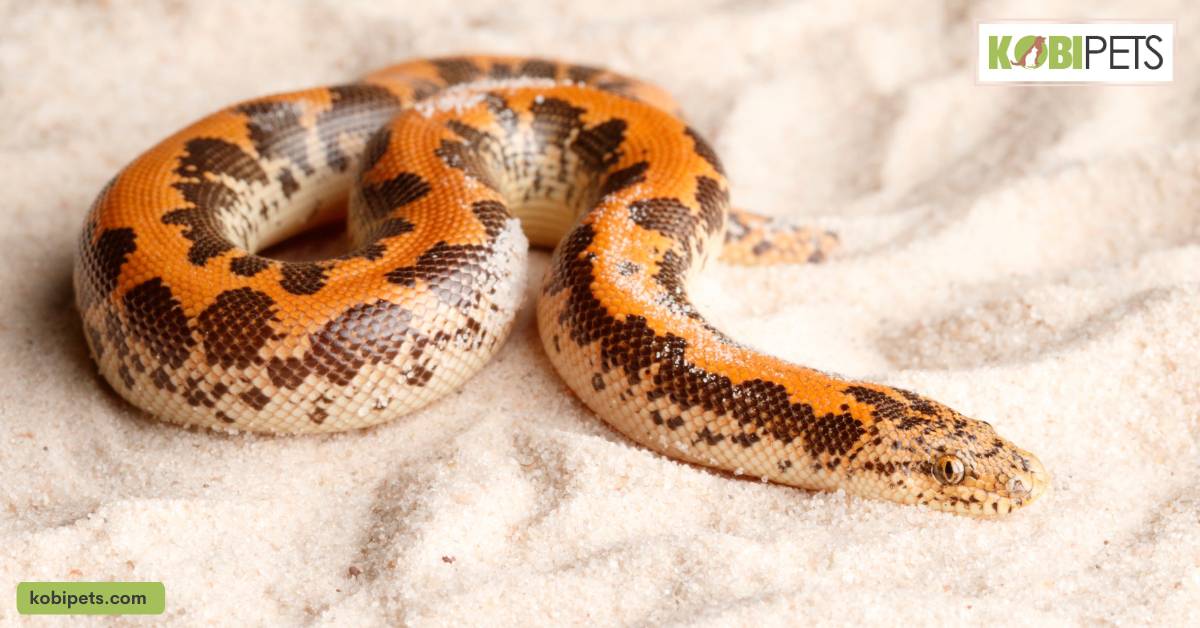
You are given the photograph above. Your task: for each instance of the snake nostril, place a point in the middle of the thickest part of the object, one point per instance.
(1016, 487)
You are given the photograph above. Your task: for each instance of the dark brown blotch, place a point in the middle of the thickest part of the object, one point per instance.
(708, 437)
(554, 120)
(455, 70)
(287, 372)
(205, 162)
(273, 126)
(832, 434)
(598, 146)
(236, 326)
(248, 265)
(357, 110)
(538, 68)
(667, 216)
(303, 278)
(255, 398)
(705, 150)
(468, 159)
(418, 375)
(714, 202)
(582, 73)
(377, 147)
(381, 199)
(625, 177)
(366, 333)
(452, 271)
(110, 252)
(156, 318)
(493, 215)
(287, 182)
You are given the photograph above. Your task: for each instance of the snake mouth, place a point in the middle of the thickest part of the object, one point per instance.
(1037, 482)
(1020, 490)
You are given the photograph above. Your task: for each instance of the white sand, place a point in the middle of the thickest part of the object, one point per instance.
(1029, 256)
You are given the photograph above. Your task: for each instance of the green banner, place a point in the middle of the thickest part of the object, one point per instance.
(91, 598)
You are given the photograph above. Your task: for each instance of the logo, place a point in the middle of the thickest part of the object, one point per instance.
(1086, 52)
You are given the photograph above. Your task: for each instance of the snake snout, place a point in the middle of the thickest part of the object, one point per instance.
(1035, 482)
(1028, 481)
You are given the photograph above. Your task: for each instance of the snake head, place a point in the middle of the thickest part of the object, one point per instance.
(926, 453)
(986, 477)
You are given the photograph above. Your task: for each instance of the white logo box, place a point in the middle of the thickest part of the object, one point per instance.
(1092, 52)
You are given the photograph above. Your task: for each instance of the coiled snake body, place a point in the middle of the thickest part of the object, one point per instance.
(440, 158)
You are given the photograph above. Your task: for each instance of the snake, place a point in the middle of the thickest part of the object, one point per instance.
(444, 172)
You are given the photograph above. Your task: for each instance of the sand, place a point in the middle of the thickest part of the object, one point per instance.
(1028, 256)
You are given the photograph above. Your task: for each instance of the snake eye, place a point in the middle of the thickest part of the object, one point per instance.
(949, 469)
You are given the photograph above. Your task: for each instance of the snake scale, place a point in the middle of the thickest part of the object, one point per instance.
(452, 167)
